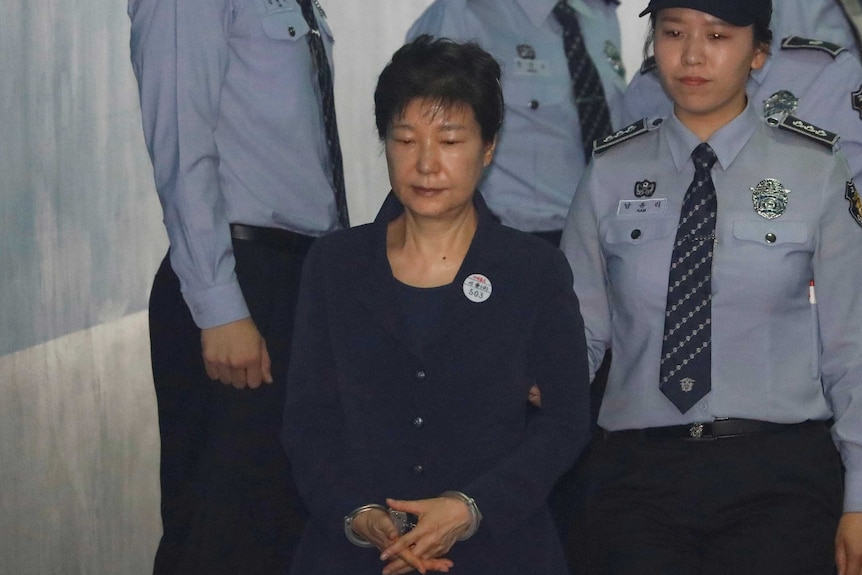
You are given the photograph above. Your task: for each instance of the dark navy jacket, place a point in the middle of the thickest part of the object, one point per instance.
(368, 418)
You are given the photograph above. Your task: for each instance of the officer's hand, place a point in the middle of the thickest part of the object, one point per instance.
(848, 544)
(235, 354)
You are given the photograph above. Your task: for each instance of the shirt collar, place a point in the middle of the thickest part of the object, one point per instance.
(727, 142)
(538, 11)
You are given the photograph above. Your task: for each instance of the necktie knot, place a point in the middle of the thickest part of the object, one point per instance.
(704, 157)
(563, 12)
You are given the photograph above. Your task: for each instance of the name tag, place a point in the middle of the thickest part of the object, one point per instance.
(530, 67)
(652, 207)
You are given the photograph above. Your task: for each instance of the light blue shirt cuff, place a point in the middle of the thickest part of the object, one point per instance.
(852, 491)
(217, 305)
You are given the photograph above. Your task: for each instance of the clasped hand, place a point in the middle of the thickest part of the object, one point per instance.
(441, 521)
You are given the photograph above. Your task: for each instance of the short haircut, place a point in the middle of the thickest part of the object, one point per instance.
(444, 72)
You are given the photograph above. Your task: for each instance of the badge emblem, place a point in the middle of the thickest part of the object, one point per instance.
(856, 101)
(615, 59)
(686, 384)
(781, 103)
(770, 198)
(852, 194)
(644, 189)
(526, 52)
(477, 288)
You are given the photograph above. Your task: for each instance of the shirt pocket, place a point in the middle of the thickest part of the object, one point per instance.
(771, 233)
(282, 20)
(637, 254)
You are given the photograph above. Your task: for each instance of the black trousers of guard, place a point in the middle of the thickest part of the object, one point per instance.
(765, 504)
(229, 504)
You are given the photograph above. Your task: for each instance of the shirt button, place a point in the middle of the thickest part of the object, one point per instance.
(420, 376)
(418, 423)
(534, 104)
(770, 238)
(636, 234)
(418, 469)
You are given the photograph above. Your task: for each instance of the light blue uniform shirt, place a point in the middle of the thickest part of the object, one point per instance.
(539, 157)
(233, 125)
(776, 356)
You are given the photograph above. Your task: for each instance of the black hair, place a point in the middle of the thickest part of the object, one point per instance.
(445, 72)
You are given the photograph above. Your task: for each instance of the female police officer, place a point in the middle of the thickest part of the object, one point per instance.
(719, 257)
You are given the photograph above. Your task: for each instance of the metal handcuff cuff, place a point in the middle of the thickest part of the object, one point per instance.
(404, 522)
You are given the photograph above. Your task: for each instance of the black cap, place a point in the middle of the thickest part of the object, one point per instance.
(736, 12)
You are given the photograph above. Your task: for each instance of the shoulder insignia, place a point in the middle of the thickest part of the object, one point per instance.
(640, 127)
(856, 101)
(648, 65)
(799, 43)
(852, 194)
(819, 135)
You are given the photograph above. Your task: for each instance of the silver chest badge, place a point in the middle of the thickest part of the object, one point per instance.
(781, 103)
(770, 198)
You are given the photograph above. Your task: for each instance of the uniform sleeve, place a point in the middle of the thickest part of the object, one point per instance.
(519, 485)
(444, 18)
(837, 272)
(314, 432)
(580, 243)
(179, 55)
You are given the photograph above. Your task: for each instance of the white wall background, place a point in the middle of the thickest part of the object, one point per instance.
(80, 239)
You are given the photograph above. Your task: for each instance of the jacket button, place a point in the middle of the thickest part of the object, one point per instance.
(636, 234)
(770, 238)
(534, 104)
(418, 469)
(292, 31)
(420, 376)
(418, 423)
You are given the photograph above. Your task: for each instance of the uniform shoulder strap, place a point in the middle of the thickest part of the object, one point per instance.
(631, 131)
(810, 131)
(800, 43)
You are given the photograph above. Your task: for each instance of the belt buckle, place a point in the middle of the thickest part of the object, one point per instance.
(696, 430)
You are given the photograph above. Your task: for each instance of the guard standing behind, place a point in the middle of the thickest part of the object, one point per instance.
(815, 79)
(238, 115)
(563, 80)
(719, 257)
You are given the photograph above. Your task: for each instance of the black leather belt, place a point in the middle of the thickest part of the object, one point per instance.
(277, 238)
(718, 429)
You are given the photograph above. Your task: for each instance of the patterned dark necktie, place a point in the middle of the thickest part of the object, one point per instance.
(686, 354)
(327, 100)
(593, 113)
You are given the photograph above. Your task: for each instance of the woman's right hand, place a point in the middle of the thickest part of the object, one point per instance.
(376, 527)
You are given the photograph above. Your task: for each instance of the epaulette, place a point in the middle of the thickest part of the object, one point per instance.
(819, 135)
(631, 131)
(799, 43)
(648, 65)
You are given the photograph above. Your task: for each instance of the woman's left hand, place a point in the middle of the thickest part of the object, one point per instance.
(441, 521)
